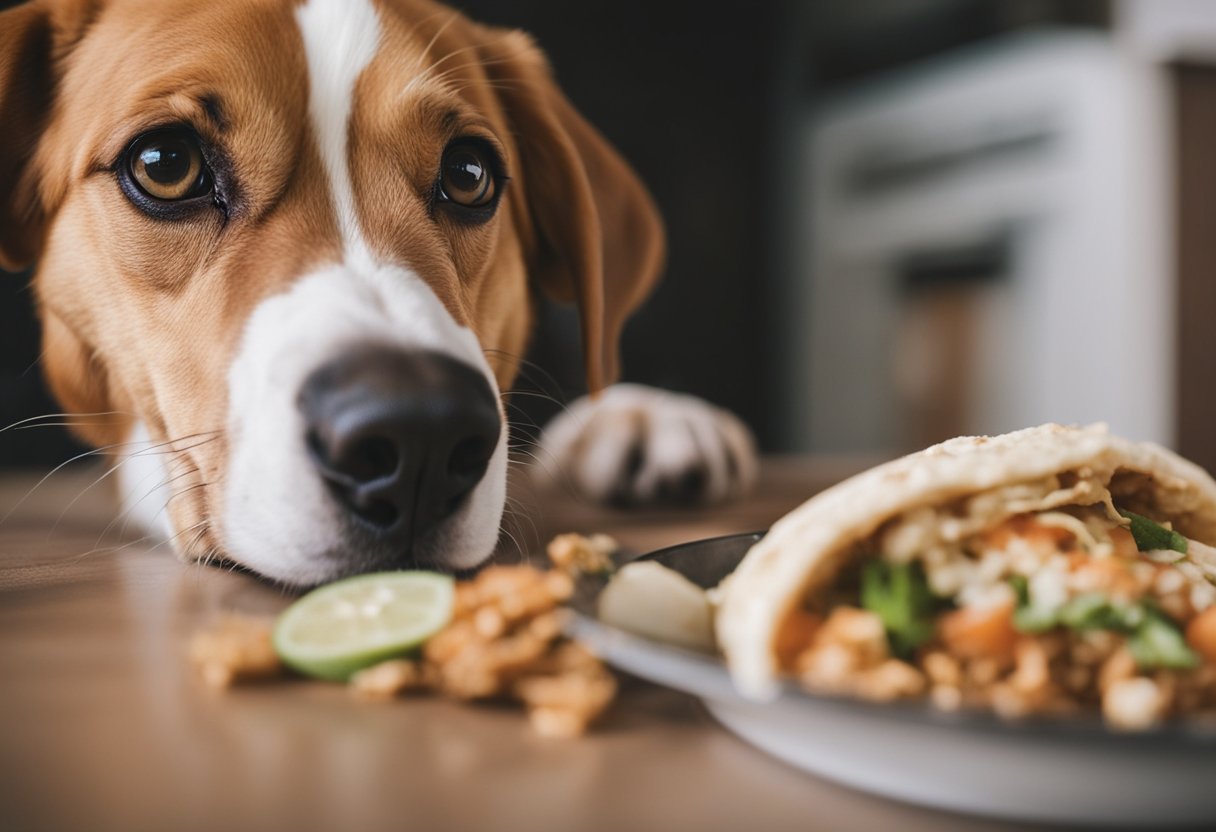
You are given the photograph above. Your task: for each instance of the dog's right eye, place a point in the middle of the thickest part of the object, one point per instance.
(168, 165)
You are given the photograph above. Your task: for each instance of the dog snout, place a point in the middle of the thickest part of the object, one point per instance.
(400, 437)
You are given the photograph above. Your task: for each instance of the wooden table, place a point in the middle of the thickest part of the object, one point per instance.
(106, 726)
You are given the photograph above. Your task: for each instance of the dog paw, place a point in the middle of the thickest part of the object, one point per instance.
(637, 445)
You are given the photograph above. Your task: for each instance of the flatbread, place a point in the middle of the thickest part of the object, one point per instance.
(807, 548)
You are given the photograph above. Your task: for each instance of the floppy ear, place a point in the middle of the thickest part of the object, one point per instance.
(591, 231)
(33, 37)
(25, 95)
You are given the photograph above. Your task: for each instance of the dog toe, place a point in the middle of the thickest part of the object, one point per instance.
(642, 446)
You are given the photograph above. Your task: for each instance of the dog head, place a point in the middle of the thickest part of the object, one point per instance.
(291, 248)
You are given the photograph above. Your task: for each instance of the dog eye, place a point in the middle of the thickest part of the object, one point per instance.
(466, 175)
(168, 165)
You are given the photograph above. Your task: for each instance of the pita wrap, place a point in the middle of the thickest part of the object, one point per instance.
(983, 481)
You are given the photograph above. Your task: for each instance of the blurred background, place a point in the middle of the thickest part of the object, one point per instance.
(890, 221)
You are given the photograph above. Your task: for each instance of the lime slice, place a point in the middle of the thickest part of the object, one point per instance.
(345, 626)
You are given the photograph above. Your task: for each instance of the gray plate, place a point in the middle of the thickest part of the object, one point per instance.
(1073, 770)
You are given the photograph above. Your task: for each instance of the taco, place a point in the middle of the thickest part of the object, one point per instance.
(1049, 570)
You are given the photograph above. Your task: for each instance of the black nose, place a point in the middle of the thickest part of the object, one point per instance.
(400, 437)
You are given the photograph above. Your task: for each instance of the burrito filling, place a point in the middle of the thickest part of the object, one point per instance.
(1082, 605)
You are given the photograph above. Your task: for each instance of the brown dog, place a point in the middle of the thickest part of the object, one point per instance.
(287, 253)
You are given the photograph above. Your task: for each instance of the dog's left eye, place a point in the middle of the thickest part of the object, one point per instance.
(466, 175)
(168, 165)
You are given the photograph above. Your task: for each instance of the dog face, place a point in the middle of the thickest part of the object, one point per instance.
(291, 248)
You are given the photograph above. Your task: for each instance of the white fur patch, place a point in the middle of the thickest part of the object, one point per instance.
(340, 40)
(594, 443)
(278, 517)
(144, 484)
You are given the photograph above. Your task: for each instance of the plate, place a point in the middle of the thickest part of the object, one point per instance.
(1053, 770)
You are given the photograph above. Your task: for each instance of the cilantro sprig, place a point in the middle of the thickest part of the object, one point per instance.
(1151, 536)
(899, 594)
(1152, 637)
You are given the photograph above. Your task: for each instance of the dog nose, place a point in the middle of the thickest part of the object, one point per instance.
(400, 437)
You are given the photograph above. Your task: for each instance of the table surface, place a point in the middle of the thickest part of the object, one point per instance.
(106, 726)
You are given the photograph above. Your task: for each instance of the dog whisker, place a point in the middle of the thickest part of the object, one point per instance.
(427, 71)
(550, 466)
(531, 535)
(19, 423)
(516, 86)
(204, 527)
(417, 25)
(523, 553)
(129, 512)
(125, 515)
(529, 460)
(125, 459)
(180, 493)
(57, 425)
(535, 394)
(480, 62)
(443, 77)
(522, 429)
(438, 33)
(426, 75)
(116, 549)
(520, 513)
(526, 367)
(185, 491)
(50, 474)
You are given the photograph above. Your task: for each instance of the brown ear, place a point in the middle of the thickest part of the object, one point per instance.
(592, 232)
(25, 95)
(33, 37)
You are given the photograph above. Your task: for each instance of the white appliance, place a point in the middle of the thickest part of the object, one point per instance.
(987, 250)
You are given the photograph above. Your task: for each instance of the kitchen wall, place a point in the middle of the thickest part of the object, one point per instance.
(1003, 227)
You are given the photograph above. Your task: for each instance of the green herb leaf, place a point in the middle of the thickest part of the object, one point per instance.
(1027, 617)
(1090, 611)
(1152, 637)
(1035, 620)
(1157, 642)
(1094, 611)
(899, 594)
(1151, 536)
(1021, 588)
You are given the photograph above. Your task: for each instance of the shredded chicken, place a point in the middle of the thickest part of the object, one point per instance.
(1042, 603)
(504, 642)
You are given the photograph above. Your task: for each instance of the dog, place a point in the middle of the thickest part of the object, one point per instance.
(288, 254)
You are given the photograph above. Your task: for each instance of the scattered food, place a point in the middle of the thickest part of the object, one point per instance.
(392, 678)
(496, 636)
(237, 649)
(505, 641)
(589, 555)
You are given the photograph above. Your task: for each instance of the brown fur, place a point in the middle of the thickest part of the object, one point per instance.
(141, 316)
